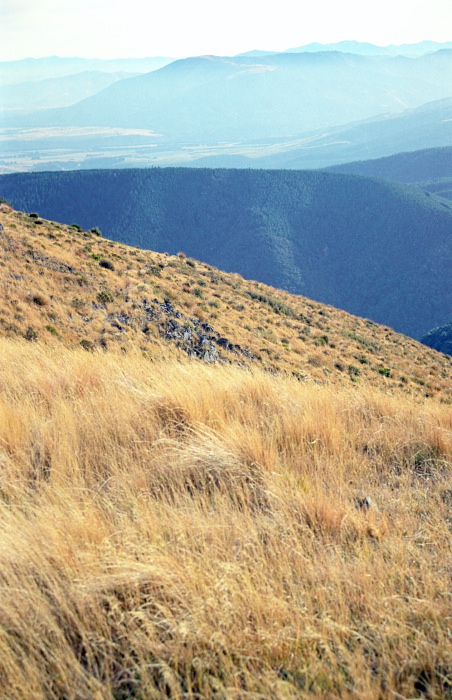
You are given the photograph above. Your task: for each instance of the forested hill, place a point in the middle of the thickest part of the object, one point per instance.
(429, 168)
(411, 167)
(376, 249)
(440, 339)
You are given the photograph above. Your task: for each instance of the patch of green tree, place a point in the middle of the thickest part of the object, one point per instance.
(440, 339)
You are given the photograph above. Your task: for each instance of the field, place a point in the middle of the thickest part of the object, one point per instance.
(172, 529)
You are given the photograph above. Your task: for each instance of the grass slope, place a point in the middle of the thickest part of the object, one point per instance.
(186, 531)
(56, 291)
(377, 249)
(174, 528)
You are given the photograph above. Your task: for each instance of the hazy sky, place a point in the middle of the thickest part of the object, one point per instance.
(136, 28)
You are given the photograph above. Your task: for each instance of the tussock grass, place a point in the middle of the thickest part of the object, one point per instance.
(178, 530)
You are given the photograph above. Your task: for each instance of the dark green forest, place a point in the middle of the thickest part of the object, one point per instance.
(377, 249)
(429, 168)
(440, 339)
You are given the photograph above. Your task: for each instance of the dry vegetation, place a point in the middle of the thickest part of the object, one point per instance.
(181, 530)
(175, 529)
(54, 289)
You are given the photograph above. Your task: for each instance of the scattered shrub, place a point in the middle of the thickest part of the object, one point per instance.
(51, 329)
(77, 303)
(321, 340)
(39, 299)
(385, 371)
(279, 307)
(354, 371)
(30, 334)
(96, 230)
(105, 297)
(87, 345)
(106, 264)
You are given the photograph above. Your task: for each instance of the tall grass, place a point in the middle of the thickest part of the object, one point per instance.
(185, 531)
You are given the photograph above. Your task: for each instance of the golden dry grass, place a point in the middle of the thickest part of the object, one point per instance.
(178, 530)
(54, 289)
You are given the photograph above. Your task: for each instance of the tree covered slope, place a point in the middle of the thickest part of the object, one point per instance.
(440, 339)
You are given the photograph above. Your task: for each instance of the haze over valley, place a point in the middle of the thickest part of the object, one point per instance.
(293, 109)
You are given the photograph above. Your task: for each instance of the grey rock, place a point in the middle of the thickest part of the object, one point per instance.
(364, 503)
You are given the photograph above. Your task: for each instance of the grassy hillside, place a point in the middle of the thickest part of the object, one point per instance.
(377, 249)
(67, 287)
(271, 524)
(186, 531)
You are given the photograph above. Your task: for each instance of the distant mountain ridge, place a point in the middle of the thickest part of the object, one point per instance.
(209, 98)
(366, 49)
(429, 169)
(51, 67)
(363, 48)
(422, 128)
(376, 249)
(409, 167)
(57, 92)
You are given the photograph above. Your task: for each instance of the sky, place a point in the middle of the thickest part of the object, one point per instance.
(179, 28)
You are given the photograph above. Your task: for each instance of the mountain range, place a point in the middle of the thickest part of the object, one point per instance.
(37, 69)
(377, 249)
(56, 92)
(290, 110)
(414, 129)
(210, 98)
(214, 481)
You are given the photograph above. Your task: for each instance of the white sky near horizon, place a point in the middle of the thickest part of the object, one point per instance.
(178, 28)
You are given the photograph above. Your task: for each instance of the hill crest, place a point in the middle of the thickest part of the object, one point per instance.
(71, 287)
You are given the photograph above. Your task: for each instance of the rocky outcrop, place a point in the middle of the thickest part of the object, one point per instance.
(197, 339)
